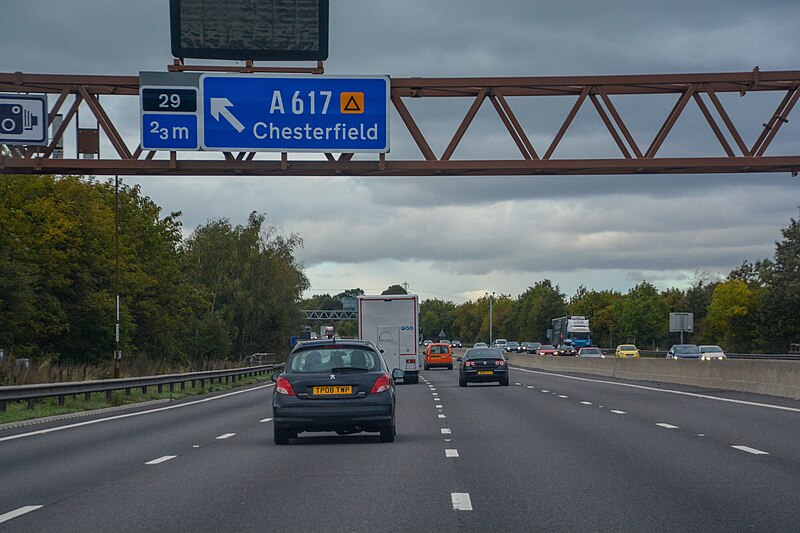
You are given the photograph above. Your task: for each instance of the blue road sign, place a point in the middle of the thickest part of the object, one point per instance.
(23, 119)
(294, 114)
(169, 118)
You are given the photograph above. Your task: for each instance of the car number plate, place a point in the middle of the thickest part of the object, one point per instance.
(332, 390)
(482, 372)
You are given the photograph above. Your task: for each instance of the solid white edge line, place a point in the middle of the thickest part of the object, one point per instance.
(161, 459)
(461, 501)
(225, 436)
(138, 413)
(668, 391)
(748, 449)
(5, 517)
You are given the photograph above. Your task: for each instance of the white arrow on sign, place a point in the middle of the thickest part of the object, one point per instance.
(219, 106)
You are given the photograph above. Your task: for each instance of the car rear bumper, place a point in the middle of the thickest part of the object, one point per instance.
(332, 416)
(439, 363)
(472, 376)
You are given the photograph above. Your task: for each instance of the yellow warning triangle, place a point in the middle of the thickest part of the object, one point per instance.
(352, 105)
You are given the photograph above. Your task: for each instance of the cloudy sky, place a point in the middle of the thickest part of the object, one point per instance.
(456, 238)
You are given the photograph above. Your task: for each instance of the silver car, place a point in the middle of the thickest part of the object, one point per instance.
(711, 351)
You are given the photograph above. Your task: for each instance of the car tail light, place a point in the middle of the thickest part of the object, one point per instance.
(282, 386)
(410, 361)
(470, 363)
(381, 384)
(500, 362)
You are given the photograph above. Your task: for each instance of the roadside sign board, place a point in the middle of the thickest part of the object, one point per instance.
(23, 119)
(294, 113)
(681, 322)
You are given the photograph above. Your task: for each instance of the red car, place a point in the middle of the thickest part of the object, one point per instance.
(546, 349)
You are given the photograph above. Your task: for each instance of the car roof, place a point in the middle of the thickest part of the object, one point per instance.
(323, 343)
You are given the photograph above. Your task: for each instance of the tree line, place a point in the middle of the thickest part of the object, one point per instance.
(756, 308)
(223, 292)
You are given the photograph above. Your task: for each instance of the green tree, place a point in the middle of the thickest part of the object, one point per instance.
(729, 319)
(642, 315)
(598, 307)
(395, 289)
(536, 309)
(437, 315)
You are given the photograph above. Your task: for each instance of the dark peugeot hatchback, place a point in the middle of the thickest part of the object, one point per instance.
(341, 386)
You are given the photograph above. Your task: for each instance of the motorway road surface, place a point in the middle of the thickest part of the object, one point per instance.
(547, 453)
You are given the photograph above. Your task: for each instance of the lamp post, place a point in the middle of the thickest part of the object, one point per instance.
(491, 301)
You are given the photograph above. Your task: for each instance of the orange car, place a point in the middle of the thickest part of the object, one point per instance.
(438, 354)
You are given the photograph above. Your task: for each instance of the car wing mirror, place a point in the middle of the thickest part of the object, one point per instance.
(397, 374)
(276, 375)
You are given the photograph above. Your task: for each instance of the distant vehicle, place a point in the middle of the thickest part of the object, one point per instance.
(511, 346)
(500, 344)
(591, 351)
(456, 344)
(426, 342)
(626, 350)
(344, 387)
(546, 349)
(533, 346)
(684, 351)
(574, 328)
(445, 341)
(567, 348)
(480, 365)
(711, 351)
(480, 345)
(390, 322)
(438, 354)
(326, 332)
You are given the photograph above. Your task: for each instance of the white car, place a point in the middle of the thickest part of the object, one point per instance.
(711, 351)
(500, 344)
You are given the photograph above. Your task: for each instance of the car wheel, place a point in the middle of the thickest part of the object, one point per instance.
(387, 433)
(425, 367)
(450, 367)
(504, 383)
(412, 380)
(281, 436)
(461, 381)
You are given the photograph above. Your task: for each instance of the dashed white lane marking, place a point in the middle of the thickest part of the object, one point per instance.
(448, 440)
(161, 459)
(446, 431)
(665, 425)
(517, 383)
(138, 413)
(748, 449)
(195, 445)
(442, 416)
(25, 510)
(225, 436)
(439, 406)
(667, 391)
(266, 420)
(530, 387)
(545, 390)
(586, 403)
(461, 501)
(617, 412)
(450, 452)
(562, 396)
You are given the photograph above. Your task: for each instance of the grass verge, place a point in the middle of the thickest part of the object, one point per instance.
(18, 411)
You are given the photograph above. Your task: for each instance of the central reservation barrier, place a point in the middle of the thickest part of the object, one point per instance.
(775, 378)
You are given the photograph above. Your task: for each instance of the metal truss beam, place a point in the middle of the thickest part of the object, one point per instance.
(635, 156)
(326, 314)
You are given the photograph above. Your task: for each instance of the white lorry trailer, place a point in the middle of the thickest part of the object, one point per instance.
(391, 322)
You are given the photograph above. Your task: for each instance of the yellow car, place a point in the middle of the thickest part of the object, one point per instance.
(627, 350)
